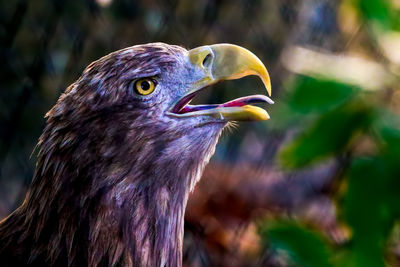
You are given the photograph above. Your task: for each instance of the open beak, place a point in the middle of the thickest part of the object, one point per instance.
(225, 62)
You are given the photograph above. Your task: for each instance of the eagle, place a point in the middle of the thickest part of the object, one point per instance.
(120, 152)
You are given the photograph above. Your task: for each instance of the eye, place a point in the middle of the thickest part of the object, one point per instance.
(144, 86)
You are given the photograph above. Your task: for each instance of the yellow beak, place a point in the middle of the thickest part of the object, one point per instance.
(230, 62)
(225, 62)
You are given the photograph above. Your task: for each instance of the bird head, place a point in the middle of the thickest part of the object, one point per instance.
(133, 106)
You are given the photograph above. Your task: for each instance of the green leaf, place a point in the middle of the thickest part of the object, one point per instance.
(368, 211)
(381, 12)
(329, 135)
(316, 95)
(387, 128)
(303, 245)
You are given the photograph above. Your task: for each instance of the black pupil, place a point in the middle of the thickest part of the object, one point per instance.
(145, 85)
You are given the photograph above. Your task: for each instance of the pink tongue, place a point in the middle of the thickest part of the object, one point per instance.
(239, 102)
(234, 103)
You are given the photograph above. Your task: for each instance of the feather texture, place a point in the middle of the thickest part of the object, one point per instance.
(113, 174)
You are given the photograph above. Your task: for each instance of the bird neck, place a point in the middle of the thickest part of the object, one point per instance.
(120, 208)
(153, 201)
(138, 223)
(154, 229)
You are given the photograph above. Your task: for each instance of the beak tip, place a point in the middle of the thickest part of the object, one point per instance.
(268, 86)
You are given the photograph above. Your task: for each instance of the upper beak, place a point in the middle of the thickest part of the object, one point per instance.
(229, 62)
(225, 62)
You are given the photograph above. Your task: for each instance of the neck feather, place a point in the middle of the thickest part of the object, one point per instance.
(82, 212)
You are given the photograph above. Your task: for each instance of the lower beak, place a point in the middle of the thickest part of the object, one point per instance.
(225, 62)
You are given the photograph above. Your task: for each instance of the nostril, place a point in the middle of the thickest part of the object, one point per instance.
(207, 60)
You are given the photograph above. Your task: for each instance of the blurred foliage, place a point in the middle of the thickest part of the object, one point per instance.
(307, 96)
(303, 245)
(368, 195)
(333, 129)
(381, 12)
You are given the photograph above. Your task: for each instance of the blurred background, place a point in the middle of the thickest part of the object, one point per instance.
(316, 185)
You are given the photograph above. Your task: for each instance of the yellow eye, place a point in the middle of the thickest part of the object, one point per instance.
(144, 86)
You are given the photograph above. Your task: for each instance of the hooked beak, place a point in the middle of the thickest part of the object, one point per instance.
(225, 62)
